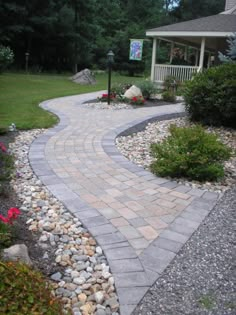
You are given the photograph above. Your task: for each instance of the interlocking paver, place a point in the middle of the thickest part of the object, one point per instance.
(119, 222)
(124, 206)
(148, 232)
(129, 232)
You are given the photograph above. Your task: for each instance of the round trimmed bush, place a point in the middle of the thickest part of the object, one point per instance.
(190, 152)
(210, 97)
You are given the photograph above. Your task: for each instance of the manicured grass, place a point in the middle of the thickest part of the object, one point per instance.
(20, 95)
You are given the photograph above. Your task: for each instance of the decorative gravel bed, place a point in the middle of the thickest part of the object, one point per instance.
(82, 280)
(113, 106)
(136, 148)
(201, 279)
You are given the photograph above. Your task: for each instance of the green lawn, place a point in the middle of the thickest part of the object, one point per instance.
(20, 95)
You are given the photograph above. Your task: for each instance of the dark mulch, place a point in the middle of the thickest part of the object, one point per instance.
(21, 234)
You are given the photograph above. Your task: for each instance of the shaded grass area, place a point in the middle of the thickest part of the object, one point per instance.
(20, 95)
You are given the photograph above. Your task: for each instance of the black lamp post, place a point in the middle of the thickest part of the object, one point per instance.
(26, 61)
(110, 59)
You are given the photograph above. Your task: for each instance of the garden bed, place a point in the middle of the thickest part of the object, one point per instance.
(136, 148)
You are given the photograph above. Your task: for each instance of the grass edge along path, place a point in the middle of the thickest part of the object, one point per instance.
(20, 95)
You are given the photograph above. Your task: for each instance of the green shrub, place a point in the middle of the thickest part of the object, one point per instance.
(6, 166)
(168, 96)
(191, 153)
(210, 97)
(148, 88)
(5, 235)
(119, 89)
(171, 83)
(24, 291)
(6, 57)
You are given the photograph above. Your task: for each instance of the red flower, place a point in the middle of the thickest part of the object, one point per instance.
(12, 214)
(2, 147)
(104, 95)
(3, 219)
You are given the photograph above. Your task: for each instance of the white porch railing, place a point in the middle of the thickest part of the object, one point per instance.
(182, 73)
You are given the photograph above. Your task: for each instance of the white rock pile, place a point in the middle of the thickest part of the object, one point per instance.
(83, 282)
(136, 147)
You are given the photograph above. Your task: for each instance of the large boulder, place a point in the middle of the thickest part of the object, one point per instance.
(84, 77)
(17, 252)
(133, 91)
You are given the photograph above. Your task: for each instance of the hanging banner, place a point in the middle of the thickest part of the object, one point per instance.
(136, 49)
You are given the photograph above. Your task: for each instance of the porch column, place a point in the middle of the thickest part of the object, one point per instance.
(186, 53)
(202, 53)
(154, 52)
(196, 58)
(209, 60)
(171, 51)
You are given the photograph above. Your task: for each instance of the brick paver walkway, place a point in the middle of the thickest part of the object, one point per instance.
(139, 220)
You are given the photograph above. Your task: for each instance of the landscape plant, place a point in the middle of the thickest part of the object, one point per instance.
(190, 152)
(210, 98)
(6, 57)
(6, 227)
(24, 291)
(168, 96)
(148, 89)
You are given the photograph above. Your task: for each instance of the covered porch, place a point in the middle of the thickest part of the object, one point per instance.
(203, 37)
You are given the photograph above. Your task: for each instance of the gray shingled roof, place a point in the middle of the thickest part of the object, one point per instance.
(213, 23)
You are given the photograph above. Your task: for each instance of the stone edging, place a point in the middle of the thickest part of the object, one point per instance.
(133, 274)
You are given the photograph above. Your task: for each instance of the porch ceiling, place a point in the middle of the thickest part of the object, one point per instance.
(214, 28)
(212, 43)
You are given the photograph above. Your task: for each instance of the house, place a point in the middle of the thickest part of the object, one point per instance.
(204, 36)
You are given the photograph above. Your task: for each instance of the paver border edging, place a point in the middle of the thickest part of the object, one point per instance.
(133, 274)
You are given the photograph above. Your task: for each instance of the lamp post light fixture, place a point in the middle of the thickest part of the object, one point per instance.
(26, 61)
(110, 60)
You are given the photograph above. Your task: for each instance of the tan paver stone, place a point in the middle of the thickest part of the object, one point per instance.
(130, 183)
(119, 222)
(167, 197)
(179, 208)
(156, 222)
(107, 199)
(114, 192)
(99, 205)
(133, 205)
(129, 232)
(112, 181)
(127, 213)
(116, 205)
(153, 211)
(109, 213)
(180, 195)
(165, 203)
(150, 191)
(164, 190)
(148, 232)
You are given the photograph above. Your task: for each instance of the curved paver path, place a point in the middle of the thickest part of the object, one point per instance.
(139, 220)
